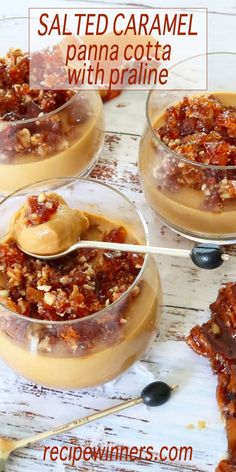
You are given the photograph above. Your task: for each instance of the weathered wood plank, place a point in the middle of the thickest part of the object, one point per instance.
(27, 408)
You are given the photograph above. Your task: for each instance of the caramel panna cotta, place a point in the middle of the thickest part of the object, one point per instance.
(44, 130)
(188, 166)
(47, 225)
(80, 320)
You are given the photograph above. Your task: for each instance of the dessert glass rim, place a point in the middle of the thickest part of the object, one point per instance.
(156, 137)
(68, 180)
(45, 115)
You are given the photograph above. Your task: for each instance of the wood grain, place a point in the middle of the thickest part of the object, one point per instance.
(27, 408)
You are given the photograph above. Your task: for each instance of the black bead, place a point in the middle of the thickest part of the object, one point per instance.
(156, 393)
(207, 256)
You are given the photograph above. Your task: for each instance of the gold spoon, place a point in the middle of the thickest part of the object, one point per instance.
(154, 394)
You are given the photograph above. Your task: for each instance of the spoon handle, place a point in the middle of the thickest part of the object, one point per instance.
(133, 248)
(75, 424)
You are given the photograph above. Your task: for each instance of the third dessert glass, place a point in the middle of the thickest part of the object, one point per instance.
(187, 156)
(42, 133)
(46, 340)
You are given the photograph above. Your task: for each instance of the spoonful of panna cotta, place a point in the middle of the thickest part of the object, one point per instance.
(45, 227)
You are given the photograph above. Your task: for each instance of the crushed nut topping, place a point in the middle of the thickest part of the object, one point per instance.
(40, 211)
(204, 131)
(16, 94)
(61, 290)
(40, 137)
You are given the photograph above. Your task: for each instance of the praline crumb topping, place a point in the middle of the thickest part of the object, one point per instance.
(67, 289)
(45, 134)
(40, 208)
(17, 100)
(204, 131)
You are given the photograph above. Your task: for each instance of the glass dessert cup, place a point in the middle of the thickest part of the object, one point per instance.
(65, 141)
(107, 342)
(188, 207)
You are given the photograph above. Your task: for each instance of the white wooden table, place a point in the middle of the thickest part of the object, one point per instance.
(27, 408)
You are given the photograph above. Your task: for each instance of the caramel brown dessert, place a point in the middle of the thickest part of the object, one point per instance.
(44, 131)
(187, 192)
(216, 340)
(79, 320)
(46, 225)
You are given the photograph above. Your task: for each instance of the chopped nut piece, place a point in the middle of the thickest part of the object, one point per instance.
(45, 344)
(215, 329)
(41, 198)
(136, 291)
(82, 259)
(23, 137)
(22, 306)
(36, 139)
(88, 287)
(181, 165)
(44, 288)
(65, 280)
(89, 271)
(49, 298)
